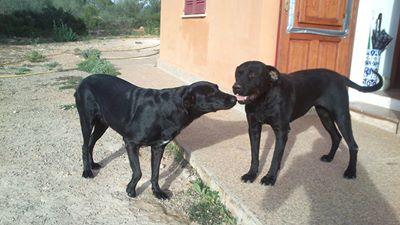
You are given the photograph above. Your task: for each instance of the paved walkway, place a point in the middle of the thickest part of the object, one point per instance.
(307, 191)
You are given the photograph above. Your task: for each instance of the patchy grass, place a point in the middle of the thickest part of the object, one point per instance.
(68, 106)
(14, 70)
(35, 56)
(22, 70)
(97, 65)
(208, 209)
(28, 65)
(90, 52)
(68, 82)
(176, 151)
(51, 65)
(77, 51)
(63, 33)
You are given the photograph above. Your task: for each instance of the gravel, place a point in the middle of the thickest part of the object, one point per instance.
(40, 165)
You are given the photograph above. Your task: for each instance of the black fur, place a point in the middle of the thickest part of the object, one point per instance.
(144, 117)
(277, 99)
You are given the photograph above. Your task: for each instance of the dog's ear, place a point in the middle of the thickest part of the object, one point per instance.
(273, 74)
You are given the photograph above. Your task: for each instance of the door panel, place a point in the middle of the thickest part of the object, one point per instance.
(300, 49)
(327, 54)
(326, 12)
(297, 51)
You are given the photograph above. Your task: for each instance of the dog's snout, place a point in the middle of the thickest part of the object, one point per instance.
(236, 88)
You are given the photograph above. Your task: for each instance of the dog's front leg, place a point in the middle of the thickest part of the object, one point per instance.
(254, 134)
(280, 142)
(133, 155)
(156, 156)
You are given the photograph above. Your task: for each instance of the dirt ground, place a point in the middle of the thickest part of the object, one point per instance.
(40, 153)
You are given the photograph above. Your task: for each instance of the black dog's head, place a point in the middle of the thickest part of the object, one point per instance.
(203, 97)
(253, 78)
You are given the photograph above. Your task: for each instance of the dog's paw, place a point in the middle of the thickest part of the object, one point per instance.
(131, 192)
(249, 177)
(161, 195)
(87, 174)
(268, 180)
(326, 158)
(96, 166)
(350, 174)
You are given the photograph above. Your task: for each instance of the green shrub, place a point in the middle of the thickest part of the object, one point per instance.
(35, 56)
(68, 107)
(22, 70)
(52, 65)
(27, 18)
(68, 82)
(63, 33)
(176, 151)
(97, 65)
(90, 52)
(30, 23)
(209, 209)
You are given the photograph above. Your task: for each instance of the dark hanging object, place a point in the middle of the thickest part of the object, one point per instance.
(380, 39)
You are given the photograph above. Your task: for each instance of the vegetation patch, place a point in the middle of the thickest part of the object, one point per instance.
(27, 18)
(67, 107)
(51, 65)
(90, 52)
(68, 82)
(208, 209)
(96, 65)
(35, 56)
(176, 151)
(22, 70)
(63, 33)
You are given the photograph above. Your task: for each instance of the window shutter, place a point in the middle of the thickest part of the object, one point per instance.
(189, 6)
(200, 7)
(195, 7)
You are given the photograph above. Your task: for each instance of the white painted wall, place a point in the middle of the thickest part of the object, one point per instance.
(367, 10)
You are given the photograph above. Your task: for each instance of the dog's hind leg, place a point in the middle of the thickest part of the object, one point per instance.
(133, 155)
(86, 126)
(156, 156)
(344, 124)
(329, 125)
(99, 129)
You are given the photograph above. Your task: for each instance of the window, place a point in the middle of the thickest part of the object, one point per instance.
(195, 7)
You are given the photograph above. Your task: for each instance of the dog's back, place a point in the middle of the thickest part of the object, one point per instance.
(103, 97)
(105, 88)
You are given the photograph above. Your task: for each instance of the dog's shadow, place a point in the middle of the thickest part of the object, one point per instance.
(331, 199)
(206, 132)
(168, 175)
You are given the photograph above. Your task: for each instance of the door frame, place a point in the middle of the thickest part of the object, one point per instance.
(282, 34)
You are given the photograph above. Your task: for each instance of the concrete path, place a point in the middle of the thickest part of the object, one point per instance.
(307, 191)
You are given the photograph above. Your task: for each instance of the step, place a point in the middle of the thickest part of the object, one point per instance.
(383, 118)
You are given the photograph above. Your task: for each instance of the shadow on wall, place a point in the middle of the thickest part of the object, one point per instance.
(394, 25)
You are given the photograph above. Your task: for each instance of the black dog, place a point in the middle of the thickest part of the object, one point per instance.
(277, 99)
(144, 117)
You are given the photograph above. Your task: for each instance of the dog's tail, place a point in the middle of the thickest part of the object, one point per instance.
(376, 87)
